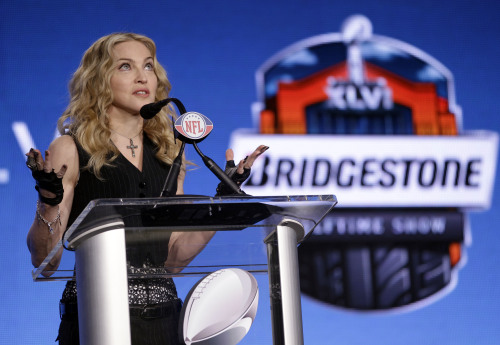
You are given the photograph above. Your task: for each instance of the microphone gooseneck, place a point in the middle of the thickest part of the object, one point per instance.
(218, 172)
(170, 186)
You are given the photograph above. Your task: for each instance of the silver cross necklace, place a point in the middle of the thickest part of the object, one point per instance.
(131, 147)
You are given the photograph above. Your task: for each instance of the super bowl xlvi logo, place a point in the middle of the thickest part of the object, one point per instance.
(193, 125)
(374, 121)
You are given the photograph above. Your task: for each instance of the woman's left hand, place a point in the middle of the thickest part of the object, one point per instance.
(239, 173)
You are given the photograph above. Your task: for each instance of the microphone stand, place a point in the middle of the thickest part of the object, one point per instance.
(170, 185)
(218, 172)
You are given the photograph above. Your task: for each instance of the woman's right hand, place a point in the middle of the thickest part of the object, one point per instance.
(48, 183)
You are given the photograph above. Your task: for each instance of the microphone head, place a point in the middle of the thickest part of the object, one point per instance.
(148, 111)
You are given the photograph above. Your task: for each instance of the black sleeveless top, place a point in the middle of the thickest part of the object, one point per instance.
(124, 180)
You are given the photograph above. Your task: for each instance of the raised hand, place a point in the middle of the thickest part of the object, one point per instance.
(48, 183)
(241, 172)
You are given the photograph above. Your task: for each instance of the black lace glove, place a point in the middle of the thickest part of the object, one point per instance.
(231, 171)
(48, 181)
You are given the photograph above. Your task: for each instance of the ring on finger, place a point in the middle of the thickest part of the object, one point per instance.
(31, 163)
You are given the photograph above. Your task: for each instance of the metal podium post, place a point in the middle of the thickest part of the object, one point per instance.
(101, 275)
(284, 282)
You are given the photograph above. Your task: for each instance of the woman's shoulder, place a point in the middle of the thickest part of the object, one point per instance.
(63, 147)
(64, 142)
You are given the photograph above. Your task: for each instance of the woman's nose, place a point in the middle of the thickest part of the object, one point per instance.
(141, 76)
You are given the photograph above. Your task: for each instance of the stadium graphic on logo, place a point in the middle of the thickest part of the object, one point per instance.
(374, 121)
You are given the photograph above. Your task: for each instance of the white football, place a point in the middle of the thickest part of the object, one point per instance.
(220, 308)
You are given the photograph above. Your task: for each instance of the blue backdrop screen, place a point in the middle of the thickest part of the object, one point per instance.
(212, 51)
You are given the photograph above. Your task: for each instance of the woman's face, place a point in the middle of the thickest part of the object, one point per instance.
(133, 81)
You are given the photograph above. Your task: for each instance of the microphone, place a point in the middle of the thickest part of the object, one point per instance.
(148, 111)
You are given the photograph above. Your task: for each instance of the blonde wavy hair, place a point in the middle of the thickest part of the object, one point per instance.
(86, 116)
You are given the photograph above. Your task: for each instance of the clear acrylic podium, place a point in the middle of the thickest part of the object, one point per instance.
(108, 235)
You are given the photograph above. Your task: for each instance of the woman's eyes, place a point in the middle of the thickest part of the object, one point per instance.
(126, 66)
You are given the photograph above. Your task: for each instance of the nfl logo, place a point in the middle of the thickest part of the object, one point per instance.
(193, 126)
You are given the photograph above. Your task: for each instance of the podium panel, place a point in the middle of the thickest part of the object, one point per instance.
(118, 239)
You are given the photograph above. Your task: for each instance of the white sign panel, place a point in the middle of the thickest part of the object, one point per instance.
(376, 171)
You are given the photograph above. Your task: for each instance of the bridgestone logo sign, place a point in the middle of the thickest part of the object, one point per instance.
(376, 171)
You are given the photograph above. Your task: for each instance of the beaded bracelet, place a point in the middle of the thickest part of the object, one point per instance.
(49, 224)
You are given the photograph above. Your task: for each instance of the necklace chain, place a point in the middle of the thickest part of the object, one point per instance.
(124, 136)
(132, 147)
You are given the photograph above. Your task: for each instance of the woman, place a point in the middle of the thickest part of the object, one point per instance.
(107, 150)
